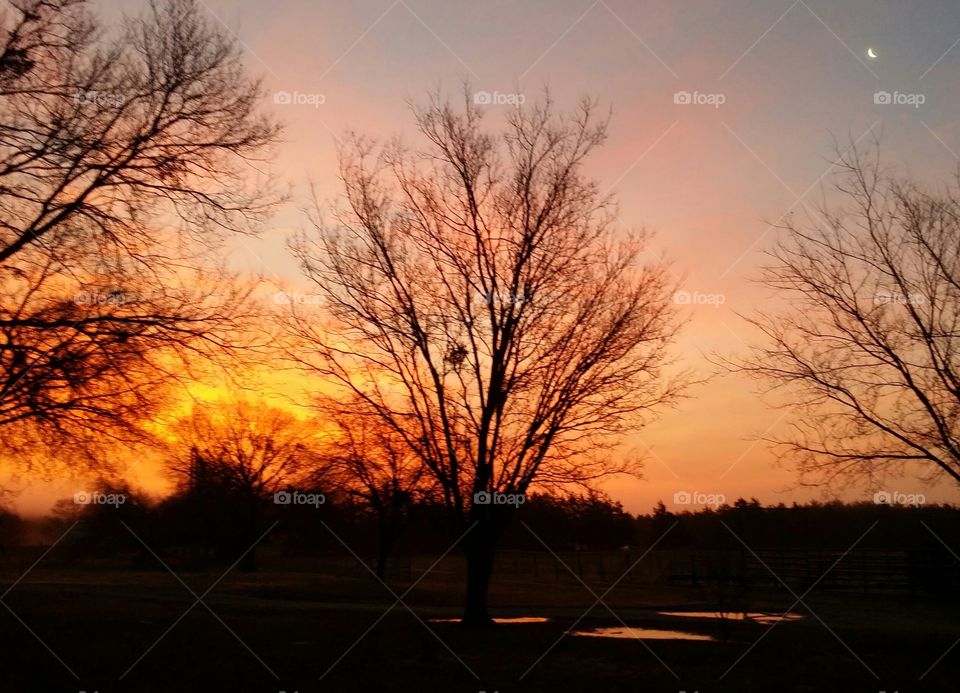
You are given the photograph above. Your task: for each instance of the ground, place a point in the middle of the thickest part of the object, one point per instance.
(271, 632)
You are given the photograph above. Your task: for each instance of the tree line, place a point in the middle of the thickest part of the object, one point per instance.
(192, 530)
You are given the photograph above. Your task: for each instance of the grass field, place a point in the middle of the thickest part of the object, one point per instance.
(135, 631)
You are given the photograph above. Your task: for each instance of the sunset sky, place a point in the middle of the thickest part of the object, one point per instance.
(778, 83)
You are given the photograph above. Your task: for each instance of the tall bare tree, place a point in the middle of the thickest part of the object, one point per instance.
(868, 346)
(125, 160)
(480, 300)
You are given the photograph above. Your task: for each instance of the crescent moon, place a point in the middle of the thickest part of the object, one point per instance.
(870, 53)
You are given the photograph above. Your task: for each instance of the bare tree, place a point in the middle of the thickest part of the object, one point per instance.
(234, 457)
(244, 446)
(124, 162)
(377, 467)
(868, 346)
(481, 301)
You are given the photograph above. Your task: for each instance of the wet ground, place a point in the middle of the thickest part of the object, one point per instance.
(281, 632)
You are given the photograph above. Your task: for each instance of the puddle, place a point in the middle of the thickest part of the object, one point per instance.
(508, 621)
(757, 617)
(642, 634)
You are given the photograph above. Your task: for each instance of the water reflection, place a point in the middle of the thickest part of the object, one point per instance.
(757, 617)
(518, 619)
(642, 634)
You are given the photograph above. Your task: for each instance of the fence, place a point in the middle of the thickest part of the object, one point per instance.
(916, 572)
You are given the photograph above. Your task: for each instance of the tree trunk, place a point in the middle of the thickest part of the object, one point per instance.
(389, 528)
(480, 550)
(479, 570)
(381, 563)
(248, 535)
(384, 548)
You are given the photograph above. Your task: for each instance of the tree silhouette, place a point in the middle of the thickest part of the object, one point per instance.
(124, 162)
(377, 468)
(481, 302)
(230, 459)
(868, 347)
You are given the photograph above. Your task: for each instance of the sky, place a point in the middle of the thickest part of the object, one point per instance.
(725, 117)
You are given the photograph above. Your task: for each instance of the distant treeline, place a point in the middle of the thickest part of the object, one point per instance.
(194, 531)
(594, 523)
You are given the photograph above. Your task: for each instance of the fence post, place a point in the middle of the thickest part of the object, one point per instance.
(863, 570)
